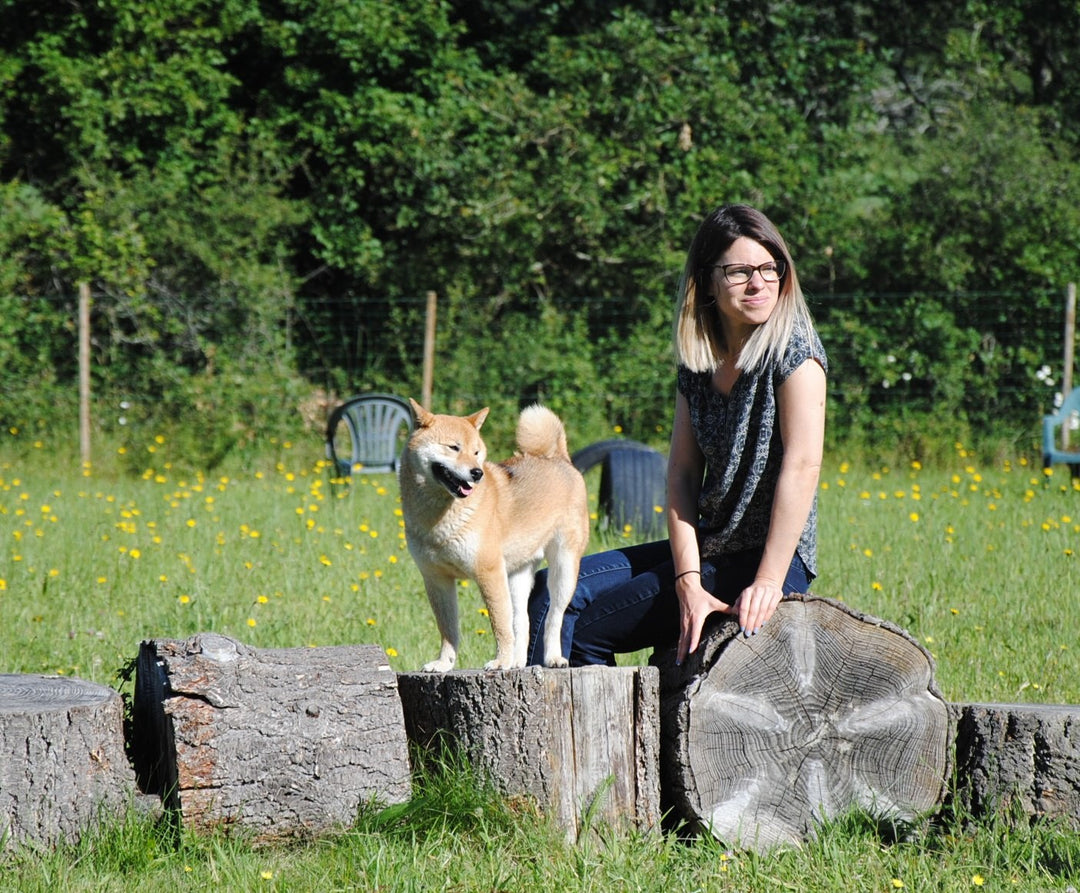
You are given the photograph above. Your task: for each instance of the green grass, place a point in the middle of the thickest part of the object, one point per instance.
(455, 835)
(982, 565)
(976, 562)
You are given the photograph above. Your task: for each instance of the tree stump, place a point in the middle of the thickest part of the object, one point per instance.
(582, 743)
(281, 741)
(62, 760)
(822, 712)
(1019, 761)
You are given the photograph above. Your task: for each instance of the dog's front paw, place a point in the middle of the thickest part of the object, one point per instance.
(497, 664)
(438, 666)
(553, 662)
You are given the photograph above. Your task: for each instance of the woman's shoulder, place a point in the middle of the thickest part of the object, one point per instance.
(690, 382)
(804, 344)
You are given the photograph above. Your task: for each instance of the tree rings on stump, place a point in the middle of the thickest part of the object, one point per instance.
(823, 712)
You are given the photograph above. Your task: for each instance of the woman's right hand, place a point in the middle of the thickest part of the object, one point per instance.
(696, 604)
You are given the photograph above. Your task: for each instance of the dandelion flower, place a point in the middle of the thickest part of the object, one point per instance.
(897, 884)
(391, 652)
(251, 621)
(978, 880)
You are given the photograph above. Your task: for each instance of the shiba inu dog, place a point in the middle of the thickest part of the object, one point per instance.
(467, 518)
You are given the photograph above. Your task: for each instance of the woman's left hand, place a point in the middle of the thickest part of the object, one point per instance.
(756, 604)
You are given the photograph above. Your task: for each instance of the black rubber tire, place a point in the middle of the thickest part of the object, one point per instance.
(633, 485)
(595, 453)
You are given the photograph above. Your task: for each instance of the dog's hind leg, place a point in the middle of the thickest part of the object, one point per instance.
(494, 587)
(442, 594)
(521, 584)
(562, 579)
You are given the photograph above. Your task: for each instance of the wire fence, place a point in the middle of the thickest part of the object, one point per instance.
(918, 358)
(376, 335)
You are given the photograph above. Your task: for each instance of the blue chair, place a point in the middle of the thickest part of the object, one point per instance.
(377, 425)
(1066, 420)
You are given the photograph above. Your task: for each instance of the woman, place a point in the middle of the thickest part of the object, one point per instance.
(743, 465)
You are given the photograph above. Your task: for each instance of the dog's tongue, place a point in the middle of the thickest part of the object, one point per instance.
(464, 490)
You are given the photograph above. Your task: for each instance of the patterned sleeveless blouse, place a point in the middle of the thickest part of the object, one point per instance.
(739, 436)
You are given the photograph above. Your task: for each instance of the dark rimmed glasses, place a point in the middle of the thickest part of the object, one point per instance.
(740, 274)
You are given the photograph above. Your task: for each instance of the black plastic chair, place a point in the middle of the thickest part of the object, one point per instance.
(633, 483)
(377, 427)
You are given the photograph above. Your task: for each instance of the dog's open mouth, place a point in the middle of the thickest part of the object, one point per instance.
(458, 486)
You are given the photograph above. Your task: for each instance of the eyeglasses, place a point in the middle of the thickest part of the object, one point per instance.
(740, 274)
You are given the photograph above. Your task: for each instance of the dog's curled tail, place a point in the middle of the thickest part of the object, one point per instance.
(541, 433)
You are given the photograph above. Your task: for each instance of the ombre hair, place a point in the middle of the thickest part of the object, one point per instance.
(699, 336)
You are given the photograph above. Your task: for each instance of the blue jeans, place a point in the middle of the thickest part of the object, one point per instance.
(625, 600)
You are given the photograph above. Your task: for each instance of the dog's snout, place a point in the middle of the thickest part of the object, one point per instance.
(476, 474)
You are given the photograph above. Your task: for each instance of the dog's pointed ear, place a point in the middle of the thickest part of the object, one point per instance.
(477, 418)
(423, 418)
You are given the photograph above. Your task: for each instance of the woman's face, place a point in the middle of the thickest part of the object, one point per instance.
(744, 306)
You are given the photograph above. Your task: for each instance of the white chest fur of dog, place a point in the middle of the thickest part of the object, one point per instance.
(495, 523)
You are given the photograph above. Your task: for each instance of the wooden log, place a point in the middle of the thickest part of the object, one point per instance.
(284, 742)
(62, 760)
(823, 711)
(582, 743)
(1018, 760)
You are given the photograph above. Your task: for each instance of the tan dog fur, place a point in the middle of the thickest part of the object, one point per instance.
(467, 518)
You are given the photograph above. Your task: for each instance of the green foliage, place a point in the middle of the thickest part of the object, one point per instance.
(237, 181)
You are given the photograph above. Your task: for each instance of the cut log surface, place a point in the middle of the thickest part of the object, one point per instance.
(581, 742)
(1019, 759)
(62, 760)
(282, 741)
(823, 711)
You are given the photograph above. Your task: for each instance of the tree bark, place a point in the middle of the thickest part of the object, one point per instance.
(1019, 761)
(823, 711)
(62, 760)
(582, 743)
(282, 741)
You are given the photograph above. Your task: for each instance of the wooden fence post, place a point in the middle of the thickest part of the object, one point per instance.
(429, 351)
(84, 373)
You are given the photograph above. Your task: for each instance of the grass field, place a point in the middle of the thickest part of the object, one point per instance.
(979, 563)
(982, 565)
